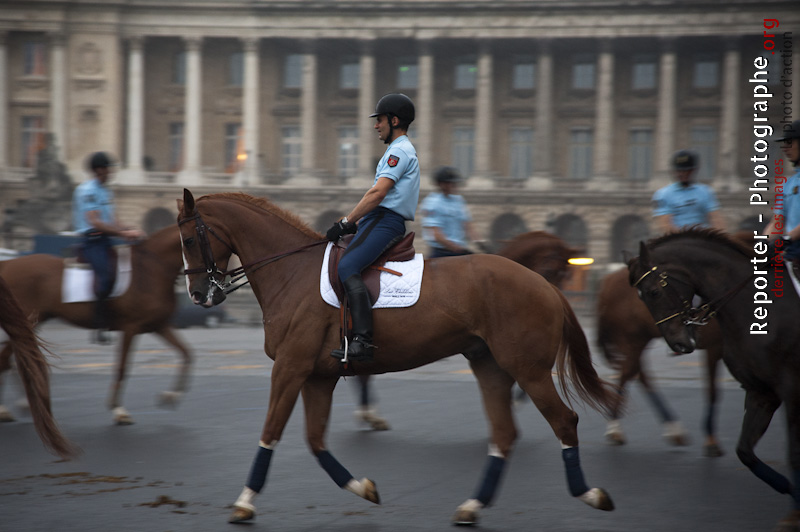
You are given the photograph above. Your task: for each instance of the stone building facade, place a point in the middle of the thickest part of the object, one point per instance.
(563, 114)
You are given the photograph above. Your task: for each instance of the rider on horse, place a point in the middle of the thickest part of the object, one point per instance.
(786, 220)
(378, 219)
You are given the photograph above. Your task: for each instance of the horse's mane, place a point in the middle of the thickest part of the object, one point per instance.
(714, 235)
(265, 204)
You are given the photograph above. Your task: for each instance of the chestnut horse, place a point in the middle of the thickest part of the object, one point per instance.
(760, 335)
(511, 323)
(624, 329)
(145, 307)
(542, 252)
(33, 370)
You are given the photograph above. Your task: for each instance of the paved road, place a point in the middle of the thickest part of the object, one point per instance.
(177, 470)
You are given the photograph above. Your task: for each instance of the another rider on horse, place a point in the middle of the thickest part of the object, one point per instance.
(686, 203)
(379, 218)
(446, 220)
(786, 219)
(95, 220)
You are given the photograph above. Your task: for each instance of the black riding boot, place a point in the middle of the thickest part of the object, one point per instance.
(360, 347)
(100, 322)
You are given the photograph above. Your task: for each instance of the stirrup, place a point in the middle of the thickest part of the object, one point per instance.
(344, 355)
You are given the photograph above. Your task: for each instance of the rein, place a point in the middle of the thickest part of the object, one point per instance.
(236, 274)
(691, 315)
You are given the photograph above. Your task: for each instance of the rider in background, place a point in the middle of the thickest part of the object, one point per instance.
(95, 220)
(446, 221)
(686, 203)
(379, 218)
(786, 219)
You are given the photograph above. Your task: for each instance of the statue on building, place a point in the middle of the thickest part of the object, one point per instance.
(47, 210)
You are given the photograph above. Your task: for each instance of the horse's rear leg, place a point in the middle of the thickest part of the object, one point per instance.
(495, 386)
(758, 411)
(674, 432)
(366, 411)
(121, 414)
(171, 398)
(564, 423)
(317, 396)
(287, 380)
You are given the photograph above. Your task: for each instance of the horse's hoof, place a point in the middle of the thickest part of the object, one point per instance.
(675, 434)
(169, 399)
(615, 438)
(370, 491)
(713, 450)
(371, 418)
(598, 498)
(241, 515)
(122, 416)
(6, 416)
(467, 513)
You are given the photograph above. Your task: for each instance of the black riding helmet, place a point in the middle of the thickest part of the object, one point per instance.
(446, 174)
(100, 159)
(685, 160)
(398, 105)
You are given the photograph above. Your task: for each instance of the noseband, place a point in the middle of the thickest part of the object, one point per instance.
(689, 315)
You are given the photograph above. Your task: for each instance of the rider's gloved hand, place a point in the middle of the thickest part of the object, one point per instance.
(341, 228)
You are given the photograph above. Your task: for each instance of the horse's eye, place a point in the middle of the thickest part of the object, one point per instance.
(189, 241)
(653, 293)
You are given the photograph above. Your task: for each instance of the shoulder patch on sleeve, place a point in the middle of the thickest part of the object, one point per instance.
(393, 160)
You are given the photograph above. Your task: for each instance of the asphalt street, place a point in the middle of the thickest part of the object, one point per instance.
(181, 469)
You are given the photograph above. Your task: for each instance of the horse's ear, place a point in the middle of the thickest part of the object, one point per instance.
(644, 254)
(627, 256)
(187, 205)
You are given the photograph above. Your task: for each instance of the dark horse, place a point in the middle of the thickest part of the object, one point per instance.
(759, 330)
(33, 370)
(512, 324)
(146, 306)
(542, 252)
(624, 329)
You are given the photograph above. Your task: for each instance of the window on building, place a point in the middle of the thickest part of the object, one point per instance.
(705, 73)
(175, 146)
(583, 68)
(644, 72)
(523, 73)
(704, 143)
(348, 151)
(179, 68)
(463, 149)
(640, 153)
(293, 71)
(571, 229)
(233, 147)
(236, 69)
(33, 131)
(626, 234)
(349, 73)
(466, 72)
(34, 58)
(581, 142)
(521, 152)
(291, 150)
(407, 73)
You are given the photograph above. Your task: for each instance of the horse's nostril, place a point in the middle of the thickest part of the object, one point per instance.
(198, 297)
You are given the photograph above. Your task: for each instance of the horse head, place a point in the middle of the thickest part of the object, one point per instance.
(668, 294)
(205, 254)
(542, 252)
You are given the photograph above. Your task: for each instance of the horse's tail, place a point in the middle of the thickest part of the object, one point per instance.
(574, 360)
(33, 370)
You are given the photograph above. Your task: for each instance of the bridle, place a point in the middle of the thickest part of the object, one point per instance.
(689, 315)
(236, 274)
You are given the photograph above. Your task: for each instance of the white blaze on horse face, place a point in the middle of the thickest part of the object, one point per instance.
(185, 265)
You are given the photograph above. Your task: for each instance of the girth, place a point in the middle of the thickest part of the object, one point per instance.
(401, 251)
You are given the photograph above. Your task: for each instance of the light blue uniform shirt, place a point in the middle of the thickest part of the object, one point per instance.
(791, 203)
(400, 164)
(687, 205)
(91, 196)
(448, 213)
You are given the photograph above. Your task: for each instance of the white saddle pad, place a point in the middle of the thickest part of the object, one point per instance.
(77, 285)
(397, 291)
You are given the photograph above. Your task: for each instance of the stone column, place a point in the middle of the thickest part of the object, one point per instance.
(366, 106)
(425, 111)
(250, 114)
(190, 174)
(309, 117)
(665, 127)
(543, 159)
(604, 114)
(3, 100)
(58, 92)
(135, 127)
(483, 121)
(726, 177)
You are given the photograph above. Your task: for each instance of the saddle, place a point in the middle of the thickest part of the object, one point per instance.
(79, 260)
(399, 251)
